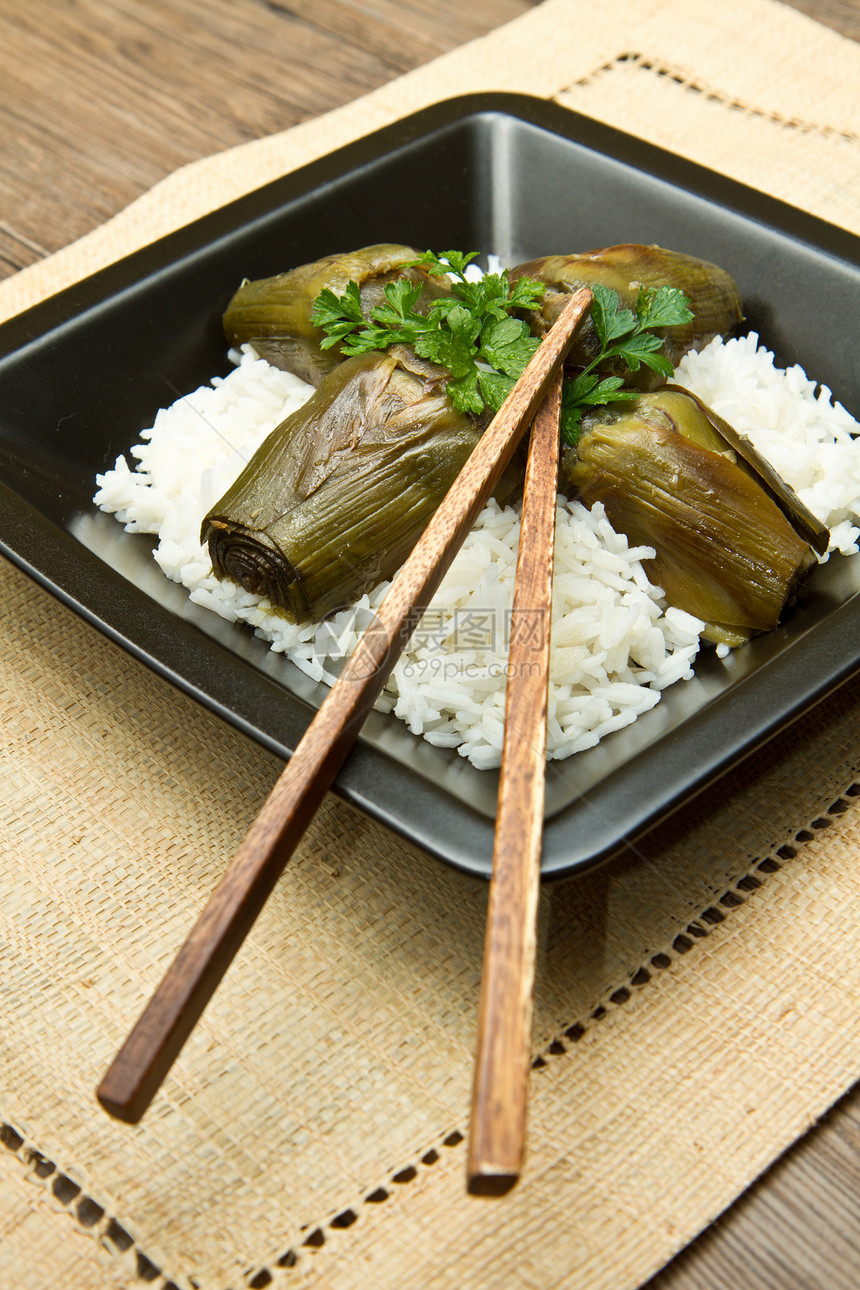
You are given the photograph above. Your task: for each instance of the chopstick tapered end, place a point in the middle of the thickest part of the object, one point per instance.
(117, 1111)
(491, 1184)
(123, 1094)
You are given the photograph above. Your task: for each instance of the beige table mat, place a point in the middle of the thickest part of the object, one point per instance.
(696, 1001)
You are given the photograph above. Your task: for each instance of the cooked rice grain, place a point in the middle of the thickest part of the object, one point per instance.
(615, 645)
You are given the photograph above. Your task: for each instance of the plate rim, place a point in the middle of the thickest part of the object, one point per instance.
(358, 782)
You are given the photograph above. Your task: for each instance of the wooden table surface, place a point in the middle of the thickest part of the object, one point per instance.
(102, 98)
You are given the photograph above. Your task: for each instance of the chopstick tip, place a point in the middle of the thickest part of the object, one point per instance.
(491, 1184)
(117, 1111)
(123, 1099)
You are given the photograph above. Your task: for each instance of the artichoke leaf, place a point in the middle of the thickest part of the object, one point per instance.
(338, 494)
(714, 299)
(800, 516)
(274, 314)
(725, 550)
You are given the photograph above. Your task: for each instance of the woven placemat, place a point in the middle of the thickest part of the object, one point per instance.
(691, 998)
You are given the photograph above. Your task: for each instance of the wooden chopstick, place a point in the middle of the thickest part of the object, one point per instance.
(500, 1089)
(135, 1075)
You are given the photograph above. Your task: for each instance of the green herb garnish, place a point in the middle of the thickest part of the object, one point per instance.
(626, 335)
(471, 333)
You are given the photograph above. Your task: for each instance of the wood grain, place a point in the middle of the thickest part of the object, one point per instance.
(842, 15)
(797, 1228)
(102, 98)
(139, 1068)
(500, 1092)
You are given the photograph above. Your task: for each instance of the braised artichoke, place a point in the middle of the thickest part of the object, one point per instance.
(338, 494)
(714, 298)
(731, 544)
(274, 314)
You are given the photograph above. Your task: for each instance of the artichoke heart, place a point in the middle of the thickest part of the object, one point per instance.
(274, 314)
(714, 299)
(338, 494)
(727, 549)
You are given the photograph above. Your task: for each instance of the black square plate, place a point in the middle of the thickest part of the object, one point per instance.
(82, 374)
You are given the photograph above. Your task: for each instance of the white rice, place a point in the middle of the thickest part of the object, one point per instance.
(806, 437)
(615, 645)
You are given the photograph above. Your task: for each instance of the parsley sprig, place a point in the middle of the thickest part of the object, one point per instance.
(471, 333)
(625, 334)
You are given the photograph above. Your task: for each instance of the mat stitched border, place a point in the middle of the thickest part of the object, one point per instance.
(91, 1216)
(629, 60)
